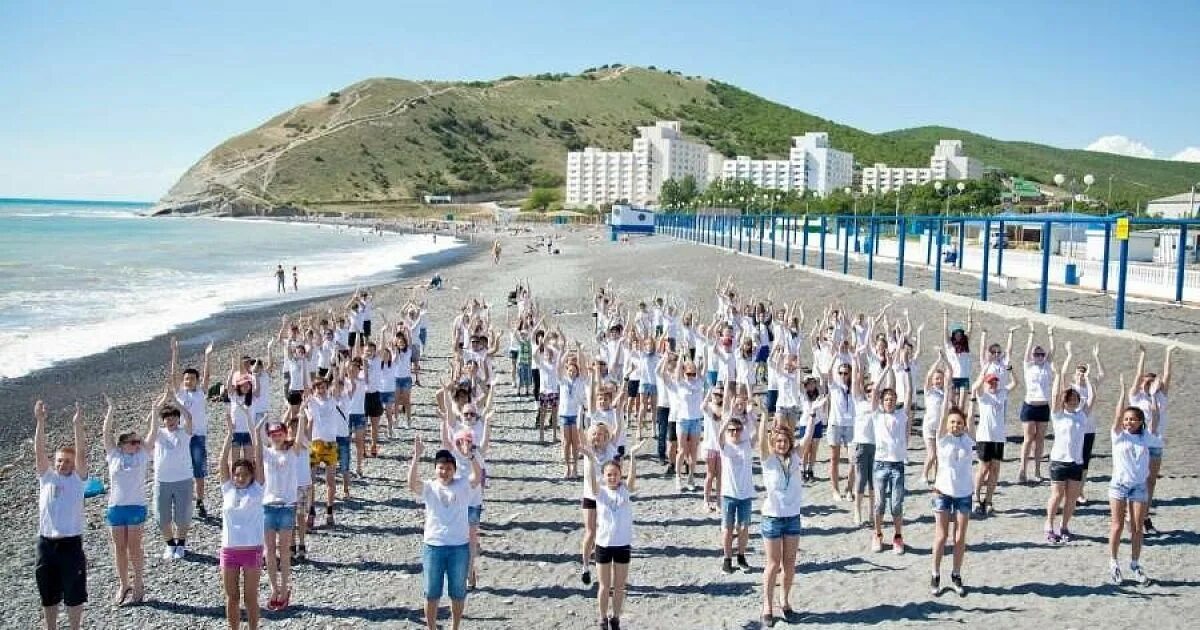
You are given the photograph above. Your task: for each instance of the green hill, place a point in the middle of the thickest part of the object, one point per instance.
(393, 140)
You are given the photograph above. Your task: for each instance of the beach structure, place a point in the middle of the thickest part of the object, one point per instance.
(948, 162)
(627, 219)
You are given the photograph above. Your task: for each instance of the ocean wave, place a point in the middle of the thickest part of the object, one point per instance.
(161, 302)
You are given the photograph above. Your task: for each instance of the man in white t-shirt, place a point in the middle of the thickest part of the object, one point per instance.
(191, 393)
(60, 565)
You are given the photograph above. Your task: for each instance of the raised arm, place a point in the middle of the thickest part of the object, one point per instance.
(1056, 402)
(41, 460)
(1050, 345)
(414, 483)
(983, 347)
(1139, 371)
(225, 473)
(1121, 404)
(1098, 376)
(204, 368)
(1028, 345)
(1165, 377)
(476, 472)
(173, 365)
(106, 430)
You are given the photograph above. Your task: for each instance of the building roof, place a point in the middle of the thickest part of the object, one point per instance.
(1038, 218)
(1180, 198)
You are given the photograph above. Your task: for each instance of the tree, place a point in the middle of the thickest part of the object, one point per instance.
(541, 198)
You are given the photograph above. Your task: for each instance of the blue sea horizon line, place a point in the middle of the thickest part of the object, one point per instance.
(78, 202)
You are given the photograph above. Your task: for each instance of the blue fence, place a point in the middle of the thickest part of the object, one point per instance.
(770, 235)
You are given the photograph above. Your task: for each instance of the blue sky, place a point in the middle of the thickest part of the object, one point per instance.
(113, 100)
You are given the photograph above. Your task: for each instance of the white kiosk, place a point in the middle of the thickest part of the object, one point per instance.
(626, 219)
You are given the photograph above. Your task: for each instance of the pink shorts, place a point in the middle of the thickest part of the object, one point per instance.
(241, 558)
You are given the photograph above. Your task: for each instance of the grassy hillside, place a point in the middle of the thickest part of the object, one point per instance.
(390, 139)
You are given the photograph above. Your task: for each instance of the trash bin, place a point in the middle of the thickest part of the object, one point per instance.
(1072, 274)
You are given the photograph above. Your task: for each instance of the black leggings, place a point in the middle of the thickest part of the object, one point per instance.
(537, 383)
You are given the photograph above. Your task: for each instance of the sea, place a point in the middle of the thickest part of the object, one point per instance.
(80, 277)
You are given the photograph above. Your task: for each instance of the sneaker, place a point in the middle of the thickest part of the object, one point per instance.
(168, 552)
(1080, 501)
(898, 545)
(741, 560)
(604, 623)
(1064, 535)
(876, 543)
(1148, 527)
(935, 585)
(989, 509)
(958, 584)
(857, 515)
(1114, 574)
(180, 552)
(981, 509)
(670, 469)
(586, 577)
(727, 566)
(614, 623)
(837, 496)
(1139, 575)
(201, 511)
(1052, 538)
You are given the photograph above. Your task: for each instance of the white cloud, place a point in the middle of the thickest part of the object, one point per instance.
(1121, 145)
(1189, 154)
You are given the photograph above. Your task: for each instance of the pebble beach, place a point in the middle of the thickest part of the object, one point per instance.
(366, 571)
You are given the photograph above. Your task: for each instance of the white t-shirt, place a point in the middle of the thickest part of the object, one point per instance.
(960, 363)
(864, 422)
(841, 404)
(172, 455)
(402, 362)
(991, 418)
(737, 470)
(358, 400)
(570, 396)
(614, 517)
(1085, 394)
(127, 477)
(891, 436)
(446, 512)
(297, 370)
(1069, 427)
(261, 403)
(1130, 457)
(712, 427)
(1037, 382)
(241, 515)
(934, 401)
(745, 372)
(303, 468)
(462, 470)
(646, 367)
(60, 505)
(240, 413)
(1141, 400)
(325, 418)
(279, 476)
(376, 376)
(785, 488)
(954, 457)
(689, 393)
(194, 401)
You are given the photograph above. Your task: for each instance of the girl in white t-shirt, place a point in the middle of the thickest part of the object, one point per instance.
(737, 489)
(600, 448)
(781, 458)
(463, 442)
(952, 496)
(935, 405)
(281, 494)
(1036, 371)
(127, 458)
(958, 355)
(1139, 396)
(614, 530)
(1069, 417)
(242, 525)
(301, 435)
(1132, 436)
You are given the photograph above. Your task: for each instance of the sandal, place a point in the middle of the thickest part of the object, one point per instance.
(121, 595)
(287, 598)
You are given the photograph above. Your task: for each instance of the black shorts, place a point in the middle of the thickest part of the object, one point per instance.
(587, 504)
(1089, 441)
(990, 451)
(1066, 471)
(1035, 413)
(367, 328)
(631, 388)
(61, 571)
(294, 396)
(612, 555)
(322, 372)
(373, 404)
(672, 436)
(353, 340)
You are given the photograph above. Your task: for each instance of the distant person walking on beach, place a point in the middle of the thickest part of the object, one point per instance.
(280, 279)
(496, 253)
(295, 279)
(60, 566)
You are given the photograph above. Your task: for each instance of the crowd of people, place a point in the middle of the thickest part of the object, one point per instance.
(712, 392)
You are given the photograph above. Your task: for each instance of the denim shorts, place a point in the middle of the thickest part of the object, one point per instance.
(446, 566)
(199, 448)
(818, 431)
(1135, 493)
(735, 511)
(889, 486)
(241, 439)
(946, 503)
(774, 527)
(421, 334)
(711, 377)
(771, 400)
(358, 422)
(689, 427)
(125, 515)
(864, 465)
(762, 354)
(279, 518)
(646, 389)
(1156, 452)
(841, 435)
(960, 383)
(524, 374)
(474, 514)
(343, 446)
(386, 397)
(404, 383)
(568, 421)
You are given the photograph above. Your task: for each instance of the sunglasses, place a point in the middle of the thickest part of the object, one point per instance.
(734, 429)
(689, 374)
(131, 443)
(1039, 354)
(840, 373)
(996, 352)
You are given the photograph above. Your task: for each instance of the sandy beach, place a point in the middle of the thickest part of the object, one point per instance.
(366, 571)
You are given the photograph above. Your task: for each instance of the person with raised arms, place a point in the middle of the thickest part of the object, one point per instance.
(737, 487)
(1132, 439)
(281, 491)
(891, 455)
(242, 525)
(991, 402)
(191, 392)
(603, 449)
(447, 551)
(60, 566)
(614, 532)
(1140, 397)
(470, 436)
(782, 461)
(952, 496)
(172, 474)
(935, 406)
(127, 457)
(1069, 418)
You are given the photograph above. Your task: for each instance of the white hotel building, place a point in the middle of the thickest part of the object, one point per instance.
(947, 163)
(811, 165)
(596, 177)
